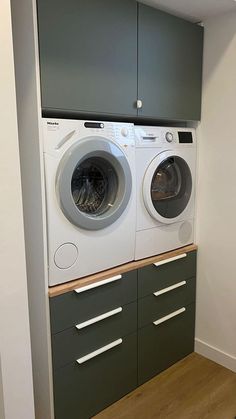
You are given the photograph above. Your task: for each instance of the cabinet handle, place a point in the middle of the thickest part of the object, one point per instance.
(98, 318)
(172, 287)
(99, 351)
(162, 262)
(98, 284)
(169, 316)
(139, 104)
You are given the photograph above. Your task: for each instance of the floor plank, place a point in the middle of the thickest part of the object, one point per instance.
(194, 388)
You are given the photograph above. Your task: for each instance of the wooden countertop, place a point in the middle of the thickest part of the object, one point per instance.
(130, 266)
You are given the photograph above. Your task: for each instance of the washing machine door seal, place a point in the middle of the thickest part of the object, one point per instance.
(93, 183)
(167, 187)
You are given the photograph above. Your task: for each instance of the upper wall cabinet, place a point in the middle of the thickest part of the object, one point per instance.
(93, 62)
(169, 65)
(88, 55)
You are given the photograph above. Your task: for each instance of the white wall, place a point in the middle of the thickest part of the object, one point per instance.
(16, 390)
(216, 214)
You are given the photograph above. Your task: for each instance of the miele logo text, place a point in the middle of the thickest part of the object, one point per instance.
(52, 123)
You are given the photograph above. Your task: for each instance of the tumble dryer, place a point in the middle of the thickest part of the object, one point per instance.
(165, 171)
(90, 196)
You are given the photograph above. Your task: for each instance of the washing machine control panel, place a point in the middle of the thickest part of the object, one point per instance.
(59, 135)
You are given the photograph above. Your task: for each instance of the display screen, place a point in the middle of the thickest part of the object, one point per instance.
(185, 137)
(94, 125)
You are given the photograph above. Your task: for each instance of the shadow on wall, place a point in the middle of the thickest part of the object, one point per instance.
(226, 32)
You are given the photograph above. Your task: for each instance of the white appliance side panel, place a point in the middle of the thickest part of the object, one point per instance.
(162, 239)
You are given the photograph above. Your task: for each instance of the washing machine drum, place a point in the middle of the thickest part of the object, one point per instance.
(167, 187)
(94, 183)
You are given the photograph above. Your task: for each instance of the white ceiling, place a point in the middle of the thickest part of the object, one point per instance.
(195, 10)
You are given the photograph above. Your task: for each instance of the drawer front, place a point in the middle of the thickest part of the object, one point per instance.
(165, 301)
(71, 308)
(75, 342)
(82, 390)
(153, 278)
(161, 345)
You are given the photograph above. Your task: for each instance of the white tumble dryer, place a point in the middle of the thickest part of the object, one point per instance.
(90, 196)
(165, 171)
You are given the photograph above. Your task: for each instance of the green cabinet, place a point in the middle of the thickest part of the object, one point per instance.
(169, 66)
(88, 55)
(94, 346)
(161, 345)
(109, 339)
(82, 390)
(98, 57)
(68, 309)
(166, 314)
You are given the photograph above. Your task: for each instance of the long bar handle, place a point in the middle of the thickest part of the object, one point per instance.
(162, 262)
(98, 318)
(98, 284)
(172, 287)
(99, 351)
(169, 316)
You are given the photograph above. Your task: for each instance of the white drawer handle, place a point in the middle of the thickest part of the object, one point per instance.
(162, 262)
(169, 316)
(172, 287)
(98, 318)
(99, 351)
(98, 284)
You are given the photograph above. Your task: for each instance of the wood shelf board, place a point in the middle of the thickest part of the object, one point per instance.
(130, 266)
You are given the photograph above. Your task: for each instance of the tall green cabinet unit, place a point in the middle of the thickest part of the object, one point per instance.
(88, 55)
(169, 65)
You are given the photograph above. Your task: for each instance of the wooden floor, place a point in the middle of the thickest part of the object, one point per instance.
(194, 388)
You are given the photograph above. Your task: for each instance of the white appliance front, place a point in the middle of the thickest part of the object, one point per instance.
(165, 171)
(90, 196)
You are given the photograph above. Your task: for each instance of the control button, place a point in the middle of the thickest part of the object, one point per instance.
(169, 137)
(124, 132)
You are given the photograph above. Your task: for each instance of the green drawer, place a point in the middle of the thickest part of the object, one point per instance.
(162, 345)
(153, 278)
(73, 343)
(82, 390)
(165, 301)
(71, 308)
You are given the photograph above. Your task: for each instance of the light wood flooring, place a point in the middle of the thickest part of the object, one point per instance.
(194, 388)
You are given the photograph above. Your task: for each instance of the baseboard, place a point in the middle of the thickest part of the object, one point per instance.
(215, 354)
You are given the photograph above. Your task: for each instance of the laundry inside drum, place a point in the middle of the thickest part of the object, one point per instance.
(94, 186)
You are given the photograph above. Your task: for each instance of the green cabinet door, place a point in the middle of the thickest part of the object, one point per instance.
(169, 66)
(83, 389)
(88, 55)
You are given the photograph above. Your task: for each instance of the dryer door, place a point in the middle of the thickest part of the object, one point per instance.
(167, 187)
(94, 183)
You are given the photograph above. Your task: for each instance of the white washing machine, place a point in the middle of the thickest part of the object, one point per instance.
(90, 196)
(165, 170)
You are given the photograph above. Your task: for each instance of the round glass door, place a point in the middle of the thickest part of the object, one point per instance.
(94, 186)
(170, 188)
(94, 183)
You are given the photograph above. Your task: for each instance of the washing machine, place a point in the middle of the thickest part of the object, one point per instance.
(90, 196)
(165, 171)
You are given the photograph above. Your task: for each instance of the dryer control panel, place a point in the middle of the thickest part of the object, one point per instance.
(152, 137)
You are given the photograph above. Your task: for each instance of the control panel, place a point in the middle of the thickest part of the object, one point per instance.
(150, 136)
